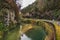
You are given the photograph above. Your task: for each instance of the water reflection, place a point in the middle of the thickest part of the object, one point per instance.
(24, 37)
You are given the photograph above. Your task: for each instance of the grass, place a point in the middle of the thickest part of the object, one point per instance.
(10, 35)
(57, 27)
(13, 35)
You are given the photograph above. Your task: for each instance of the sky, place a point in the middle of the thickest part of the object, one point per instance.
(24, 3)
(24, 37)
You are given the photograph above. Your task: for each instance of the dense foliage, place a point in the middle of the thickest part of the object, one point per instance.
(43, 9)
(7, 16)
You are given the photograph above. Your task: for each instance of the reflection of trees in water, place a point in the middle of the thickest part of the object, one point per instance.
(36, 34)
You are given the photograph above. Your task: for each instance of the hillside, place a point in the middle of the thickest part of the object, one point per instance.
(43, 9)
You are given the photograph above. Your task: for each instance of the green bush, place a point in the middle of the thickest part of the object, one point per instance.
(1, 26)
